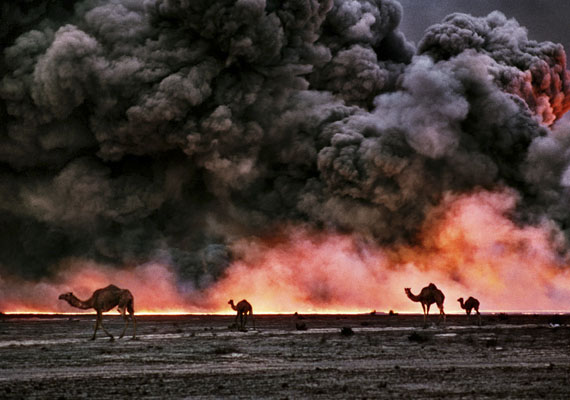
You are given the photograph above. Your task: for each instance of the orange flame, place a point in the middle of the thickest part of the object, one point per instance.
(468, 247)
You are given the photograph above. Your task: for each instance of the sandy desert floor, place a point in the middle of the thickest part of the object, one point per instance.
(508, 357)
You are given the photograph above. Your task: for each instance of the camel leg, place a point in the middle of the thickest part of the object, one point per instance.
(428, 306)
(425, 314)
(96, 327)
(126, 319)
(103, 327)
(442, 313)
(252, 319)
(134, 326)
(244, 321)
(478, 317)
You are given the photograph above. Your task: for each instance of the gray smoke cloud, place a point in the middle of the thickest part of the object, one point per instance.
(134, 131)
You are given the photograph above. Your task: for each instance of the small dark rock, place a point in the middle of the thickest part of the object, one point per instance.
(503, 317)
(418, 338)
(555, 320)
(346, 331)
(225, 350)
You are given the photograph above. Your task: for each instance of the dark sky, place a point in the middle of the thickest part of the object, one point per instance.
(545, 20)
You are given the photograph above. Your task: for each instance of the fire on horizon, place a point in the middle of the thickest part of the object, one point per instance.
(303, 155)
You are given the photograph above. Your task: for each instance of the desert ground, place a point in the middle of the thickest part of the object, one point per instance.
(287, 356)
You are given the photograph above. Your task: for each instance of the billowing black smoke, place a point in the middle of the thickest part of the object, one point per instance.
(134, 131)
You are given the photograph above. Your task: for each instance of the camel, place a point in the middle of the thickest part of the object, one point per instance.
(103, 300)
(243, 308)
(470, 304)
(429, 295)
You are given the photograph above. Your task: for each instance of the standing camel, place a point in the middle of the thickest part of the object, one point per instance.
(243, 308)
(103, 300)
(429, 295)
(470, 304)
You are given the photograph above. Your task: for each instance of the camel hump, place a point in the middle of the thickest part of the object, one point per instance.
(432, 286)
(110, 287)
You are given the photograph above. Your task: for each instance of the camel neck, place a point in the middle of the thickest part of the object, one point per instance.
(412, 296)
(75, 302)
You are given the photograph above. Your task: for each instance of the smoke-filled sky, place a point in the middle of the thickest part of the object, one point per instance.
(305, 154)
(545, 20)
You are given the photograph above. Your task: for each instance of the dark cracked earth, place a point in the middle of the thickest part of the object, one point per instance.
(380, 356)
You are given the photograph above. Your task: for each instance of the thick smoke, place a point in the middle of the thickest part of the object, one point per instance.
(167, 131)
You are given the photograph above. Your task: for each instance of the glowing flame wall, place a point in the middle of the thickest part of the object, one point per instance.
(469, 248)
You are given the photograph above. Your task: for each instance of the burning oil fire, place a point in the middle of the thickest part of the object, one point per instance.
(467, 246)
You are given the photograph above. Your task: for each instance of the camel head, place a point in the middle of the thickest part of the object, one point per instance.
(65, 296)
(231, 302)
(460, 299)
(407, 290)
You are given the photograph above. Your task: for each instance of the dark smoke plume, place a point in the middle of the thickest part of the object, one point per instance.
(134, 131)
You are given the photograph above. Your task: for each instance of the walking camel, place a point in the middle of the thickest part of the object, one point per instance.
(243, 308)
(103, 300)
(470, 304)
(428, 295)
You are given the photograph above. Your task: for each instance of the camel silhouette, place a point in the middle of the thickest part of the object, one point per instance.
(243, 308)
(470, 304)
(428, 295)
(103, 300)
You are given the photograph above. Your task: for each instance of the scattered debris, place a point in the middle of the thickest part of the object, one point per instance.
(301, 326)
(392, 313)
(373, 312)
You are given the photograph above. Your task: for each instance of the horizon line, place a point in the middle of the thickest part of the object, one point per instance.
(371, 313)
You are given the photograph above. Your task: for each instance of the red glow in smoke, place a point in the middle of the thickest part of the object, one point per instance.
(468, 248)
